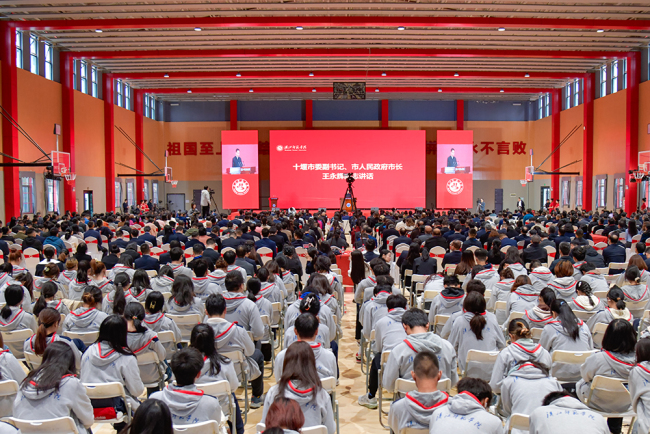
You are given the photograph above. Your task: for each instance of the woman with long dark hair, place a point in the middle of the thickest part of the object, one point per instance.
(183, 301)
(53, 390)
(585, 300)
(18, 280)
(153, 417)
(301, 383)
(466, 264)
(141, 340)
(615, 309)
(77, 284)
(523, 295)
(141, 286)
(563, 284)
(156, 320)
(407, 259)
(13, 317)
(115, 301)
(49, 321)
(48, 292)
(501, 292)
(495, 256)
(285, 414)
(165, 278)
(86, 318)
(540, 315)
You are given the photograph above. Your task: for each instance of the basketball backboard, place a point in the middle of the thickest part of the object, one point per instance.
(60, 163)
(168, 174)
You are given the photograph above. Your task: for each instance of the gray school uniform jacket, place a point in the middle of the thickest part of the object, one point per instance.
(577, 274)
(11, 369)
(105, 285)
(330, 301)
(142, 343)
(59, 306)
(639, 384)
(608, 364)
(565, 415)
(231, 337)
(265, 308)
(76, 289)
(360, 290)
(635, 293)
(521, 299)
(28, 346)
(189, 405)
(608, 315)
(18, 320)
(644, 280)
(325, 361)
(446, 330)
(389, 331)
(596, 281)
(324, 316)
(40, 281)
(554, 337)
(415, 410)
(500, 292)
(335, 284)
(107, 302)
(287, 277)
(234, 267)
(514, 355)
(525, 388)
(245, 313)
(119, 268)
(142, 295)
(227, 373)
(448, 302)
(67, 276)
(581, 303)
(489, 277)
(203, 287)
(162, 284)
(179, 269)
(463, 339)
(70, 400)
(537, 318)
(271, 292)
(316, 407)
(436, 283)
(173, 308)
(564, 288)
(27, 299)
(518, 269)
(218, 277)
(322, 336)
(372, 311)
(540, 277)
(464, 414)
(102, 364)
(400, 361)
(158, 322)
(83, 319)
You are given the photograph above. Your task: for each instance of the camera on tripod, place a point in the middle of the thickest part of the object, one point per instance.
(211, 191)
(350, 178)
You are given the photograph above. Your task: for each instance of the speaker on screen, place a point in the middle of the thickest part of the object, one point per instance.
(322, 209)
(374, 209)
(419, 209)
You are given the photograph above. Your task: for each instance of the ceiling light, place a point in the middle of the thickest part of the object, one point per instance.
(197, 29)
(166, 75)
(189, 90)
(98, 30)
(527, 75)
(298, 27)
(501, 91)
(501, 29)
(600, 31)
(401, 28)
(313, 90)
(311, 74)
(377, 90)
(238, 74)
(383, 74)
(439, 90)
(250, 90)
(456, 74)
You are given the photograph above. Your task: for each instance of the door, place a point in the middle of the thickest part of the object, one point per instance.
(196, 197)
(545, 195)
(498, 199)
(88, 201)
(176, 202)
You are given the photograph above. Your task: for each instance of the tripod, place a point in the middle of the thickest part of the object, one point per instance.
(214, 202)
(349, 202)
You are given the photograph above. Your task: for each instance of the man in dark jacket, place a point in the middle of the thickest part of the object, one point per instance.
(425, 264)
(562, 255)
(535, 251)
(471, 240)
(147, 237)
(29, 241)
(436, 240)
(91, 232)
(402, 239)
(454, 255)
(146, 262)
(112, 257)
(615, 252)
(211, 251)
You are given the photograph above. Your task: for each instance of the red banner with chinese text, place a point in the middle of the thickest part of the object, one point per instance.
(455, 169)
(240, 170)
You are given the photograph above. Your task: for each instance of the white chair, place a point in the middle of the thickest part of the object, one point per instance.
(472, 248)
(301, 252)
(8, 391)
(186, 323)
(265, 253)
(60, 425)
(519, 422)
(500, 306)
(33, 360)
(380, 390)
(536, 333)
(227, 249)
(550, 254)
(156, 252)
(450, 270)
(208, 427)
(219, 389)
(438, 253)
(266, 321)
(277, 323)
(613, 390)
(597, 334)
(479, 364)
(427, 298)
(504, 249)
(93, 250)
(562, 358)
(87, 338)
(439, 322)
(168, 340)
(413, 431)
(329, 385)
(107, 391)
(401, 248)
(599, 247)
(15, 340)
(239, 361)
(617, 266)
(188, 253)
(32, 258)
(318, 429)
(583, 314)
(636, 308)
(150, 358)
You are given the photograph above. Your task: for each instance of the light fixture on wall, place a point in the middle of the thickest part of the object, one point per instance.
(439, 90)
(456, 74)
(238, 75)
(377, 89)
(527, 75)
(311, 74)
(383, 74)
(600, 31)
(313, 90)
(501, 29)
(166, 75)
(501, 91)
(250, 90)
(189, 90)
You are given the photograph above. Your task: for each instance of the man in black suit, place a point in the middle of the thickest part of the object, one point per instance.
(535, 251)
(91, 232)
(29, 241)
(521, 206)
(471, 240)
(146, 262)
(370, 250)
(236, 160)
(165, 258)
(457, 234)
(194, 238)
(436, 240)
(563, 253)
(276, 238)
(147, 237)
(451, 160)
(233, 240)
(389, 231)
(453, 257)
(177, 235)
(111, 259)
(132, 250)
(611, 226)
(123, 241)
(402, 239)
(198, 256)
(105, 230)
(211, 253)
(615, 252)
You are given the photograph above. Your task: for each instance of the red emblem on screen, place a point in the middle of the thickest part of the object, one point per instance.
(240, 187)
(455, 186)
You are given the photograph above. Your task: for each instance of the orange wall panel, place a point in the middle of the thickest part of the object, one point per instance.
(609, 134)
(124, 149)
(644, 116)
(571, 150)
(89, 135)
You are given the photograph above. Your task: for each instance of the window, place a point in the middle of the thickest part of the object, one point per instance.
(578, 193)
(568, 96)
(127, 96)
(118, 195)
(49, 67)
(601, 192)
(624, 83)
(75, 63)
(83, 75)
(154, 192)
(603, 80)
(149, 106)
(119, 93)
(27, 195)
(93, 81)
(615, 76)
(544, 104)
(146, 190)
(576, 93)
(19, 49)
(52, 196)
(130, 192)
(146, 105)
(566, 197)
(619, 193)
(33, 54)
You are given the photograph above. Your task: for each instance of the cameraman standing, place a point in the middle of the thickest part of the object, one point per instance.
(205, 202)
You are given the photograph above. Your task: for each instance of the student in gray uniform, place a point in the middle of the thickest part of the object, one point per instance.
(585, 300)
(639, 262)
(521, 350)
(449, 301)
(523, 296)
(269, 290)
(596, 280)
(265, 308)
(49, 321)
(141, 285)
(183, 301)
(231, 337)
(308, 304)
(307, 328)
(176, 256)
(27, 297)
(203, 285)
(540, 315)
(364, 289)
(46, 299)
(501, 292)
(240, 309)
(634, 290)
(141, 341)
(109, 360)
(614, 309)
(484, 272)
(540, 276)
(53, 390)
(400, 361)
(324, 314)
(79, 282)
(561, 412)
(415, 409)
(615, 360)
(164, 280)
(300, 382)
(320, 282)
(116, 300)
(86, 318)
(639, 383)
(216, 368)
(374, 309)
(389, 331)
(99, 278)
(13, 317)
(563, 284)
(566, 333)
(473, 330)
(188, 404)
(466, 413)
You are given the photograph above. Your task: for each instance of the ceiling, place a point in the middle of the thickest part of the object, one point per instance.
(212, 42)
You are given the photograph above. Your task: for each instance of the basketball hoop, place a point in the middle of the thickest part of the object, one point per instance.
(523, 182)
(174, 184)
(638, 174)
(69, 176)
